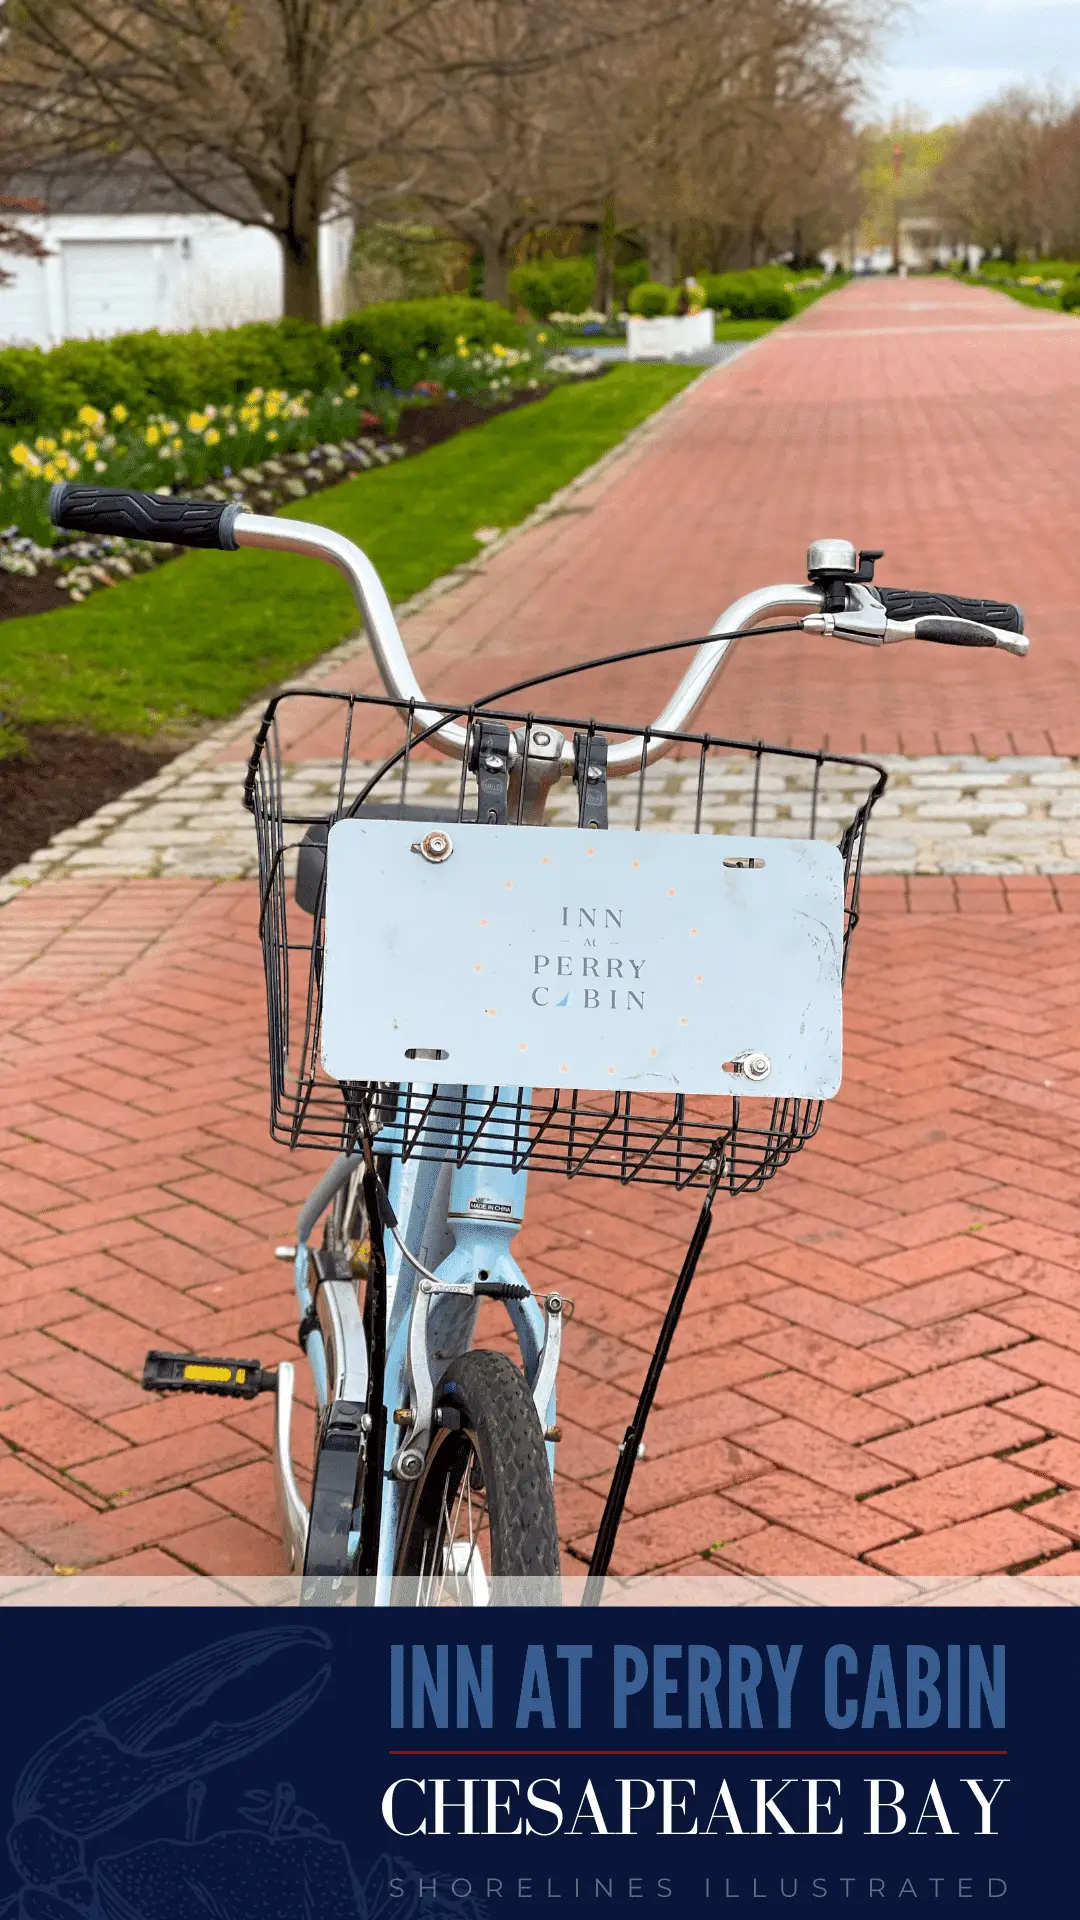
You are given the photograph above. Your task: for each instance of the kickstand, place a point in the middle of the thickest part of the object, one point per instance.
(635, 1432)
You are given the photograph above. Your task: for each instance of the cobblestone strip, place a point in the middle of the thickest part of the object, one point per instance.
(938, 814)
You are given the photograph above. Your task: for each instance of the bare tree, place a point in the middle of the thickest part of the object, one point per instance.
(505, 146)
(258, 109)
(1000, 180)
(723, 123)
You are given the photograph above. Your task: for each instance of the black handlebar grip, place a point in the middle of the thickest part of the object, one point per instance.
(143, 516)
(953, 633)
(902, 604)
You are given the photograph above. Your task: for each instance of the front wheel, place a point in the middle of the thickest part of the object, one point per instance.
(481, 1522)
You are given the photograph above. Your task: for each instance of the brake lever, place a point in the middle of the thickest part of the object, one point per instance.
(869, 626)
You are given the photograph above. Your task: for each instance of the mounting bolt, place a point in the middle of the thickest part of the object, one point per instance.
(411, 1464)
(402, 1416)
(554, 1303)
(435, 847)
(494, 762)
(756, 1066)
(541, 738)
(553, 1433)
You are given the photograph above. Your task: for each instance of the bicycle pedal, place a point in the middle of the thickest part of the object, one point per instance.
(201, 1373)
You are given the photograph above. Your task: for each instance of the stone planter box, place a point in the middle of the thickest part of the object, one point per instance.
(672, 337)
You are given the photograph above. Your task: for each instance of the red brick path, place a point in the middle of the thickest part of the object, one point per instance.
(880, 1368)
(934, 420)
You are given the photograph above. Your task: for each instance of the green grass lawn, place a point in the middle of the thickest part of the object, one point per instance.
(198, 639)
(1027, 296)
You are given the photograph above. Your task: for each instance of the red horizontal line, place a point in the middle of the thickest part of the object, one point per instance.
(697, 1753)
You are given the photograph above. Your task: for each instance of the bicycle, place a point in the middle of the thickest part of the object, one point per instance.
(433, 1471)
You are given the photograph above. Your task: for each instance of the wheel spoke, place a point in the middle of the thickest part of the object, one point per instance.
(452, 1570)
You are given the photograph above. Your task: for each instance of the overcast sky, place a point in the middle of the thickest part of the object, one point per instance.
(949, 56)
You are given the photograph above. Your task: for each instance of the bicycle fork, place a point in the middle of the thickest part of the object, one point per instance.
(448, 1248)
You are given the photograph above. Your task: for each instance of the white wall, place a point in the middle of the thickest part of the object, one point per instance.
(122, 273)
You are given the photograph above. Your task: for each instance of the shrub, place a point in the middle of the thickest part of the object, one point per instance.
(32, 391)
(549, 285)
(1070, 294)
(748, 296)
(399, 335)
(141, 371)
(651, 298)
(631, 275)
(148, 373)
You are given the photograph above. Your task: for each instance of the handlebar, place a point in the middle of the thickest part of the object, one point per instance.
(901, 604)
(142, 516)
(873, 616)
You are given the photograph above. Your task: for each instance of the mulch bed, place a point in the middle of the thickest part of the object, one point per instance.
(63, 778)
(422, 427)
(20, 594)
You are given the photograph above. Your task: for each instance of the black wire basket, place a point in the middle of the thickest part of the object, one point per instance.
(321, 756)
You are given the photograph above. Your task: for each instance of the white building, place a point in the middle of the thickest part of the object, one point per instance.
(126, 253)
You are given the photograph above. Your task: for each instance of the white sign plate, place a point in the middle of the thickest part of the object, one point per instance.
(551, 956)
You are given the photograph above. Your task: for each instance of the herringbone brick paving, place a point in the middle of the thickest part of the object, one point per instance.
(933, 420)
(879, 1369)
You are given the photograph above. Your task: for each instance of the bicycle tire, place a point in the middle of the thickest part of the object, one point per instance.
(497, 1447)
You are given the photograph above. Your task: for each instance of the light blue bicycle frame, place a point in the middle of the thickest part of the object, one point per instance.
(438, 1220)
(459, 1221)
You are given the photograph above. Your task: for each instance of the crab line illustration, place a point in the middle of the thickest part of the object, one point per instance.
(104, 1768)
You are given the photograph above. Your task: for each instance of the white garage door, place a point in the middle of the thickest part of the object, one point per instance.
(112, 286)
(23, 313)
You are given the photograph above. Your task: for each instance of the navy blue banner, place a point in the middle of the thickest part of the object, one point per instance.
(353, 1765)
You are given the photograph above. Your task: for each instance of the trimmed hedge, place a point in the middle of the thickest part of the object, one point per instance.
(757, 294)
(650, 299)
(168, 372)
(149, 371)
(398, 335)
(549, 285)
(754, 295)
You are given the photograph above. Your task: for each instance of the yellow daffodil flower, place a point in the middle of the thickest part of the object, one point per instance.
(119, 413)
(211, 436)
(197, 422)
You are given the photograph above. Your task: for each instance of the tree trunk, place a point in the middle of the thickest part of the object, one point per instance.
(604, 289)
(302, 292)
(496, 252)
(662, 253)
